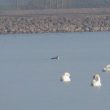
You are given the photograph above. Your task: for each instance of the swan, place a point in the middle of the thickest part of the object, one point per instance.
(106, 68)
(96, 81)
(56, 58)
(65, 77)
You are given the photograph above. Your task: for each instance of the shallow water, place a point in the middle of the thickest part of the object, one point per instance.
(29, 79)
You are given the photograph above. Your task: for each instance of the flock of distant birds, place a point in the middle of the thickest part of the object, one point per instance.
(96, 80)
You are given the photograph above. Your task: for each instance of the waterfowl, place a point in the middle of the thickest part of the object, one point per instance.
(65, 77)
(96, 81)
(106, 68)
(56, 58)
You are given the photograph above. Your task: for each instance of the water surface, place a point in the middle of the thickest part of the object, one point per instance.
(29, 79)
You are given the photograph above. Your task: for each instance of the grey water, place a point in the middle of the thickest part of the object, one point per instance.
(44, 4)
(30, 79)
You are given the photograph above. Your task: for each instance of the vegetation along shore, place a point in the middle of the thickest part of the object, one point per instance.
(54, 22)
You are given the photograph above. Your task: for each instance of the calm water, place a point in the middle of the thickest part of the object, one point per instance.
(39, 4)
(29, 79)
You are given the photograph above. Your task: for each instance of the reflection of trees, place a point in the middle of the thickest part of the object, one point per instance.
(67, 3)
(56, 4)
(43, 4)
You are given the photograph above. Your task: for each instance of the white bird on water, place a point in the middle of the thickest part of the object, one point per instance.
(65, 77)
(96, 81)
(106, 68)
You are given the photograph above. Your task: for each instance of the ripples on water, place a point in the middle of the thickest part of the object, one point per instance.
(30, 80)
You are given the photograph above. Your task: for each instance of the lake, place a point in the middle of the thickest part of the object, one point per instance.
(30, 79)
(43, 4)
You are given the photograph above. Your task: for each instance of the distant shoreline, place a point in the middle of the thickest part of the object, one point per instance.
(55, 11)
(54, 20)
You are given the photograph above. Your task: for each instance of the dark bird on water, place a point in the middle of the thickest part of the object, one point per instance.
(55, 58)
